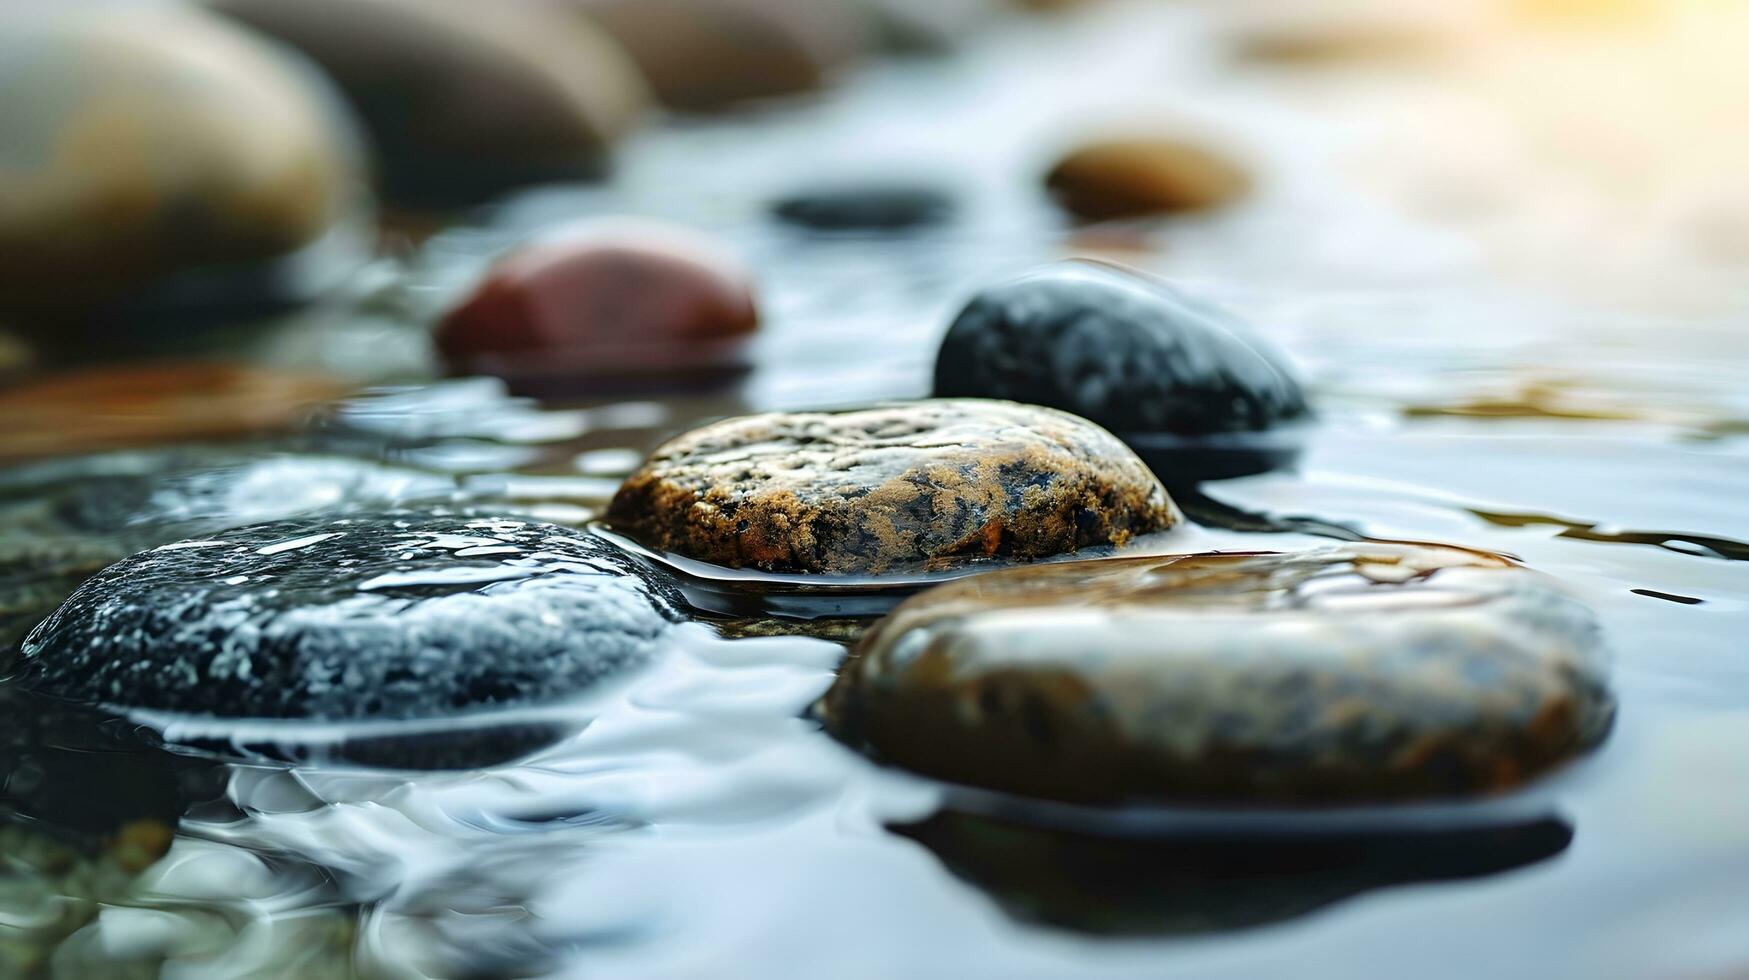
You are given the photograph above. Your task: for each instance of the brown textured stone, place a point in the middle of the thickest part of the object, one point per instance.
(1350, 674)
(923, 485)
(1123, 178)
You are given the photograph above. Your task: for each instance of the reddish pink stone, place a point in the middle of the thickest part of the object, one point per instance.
(605, 305)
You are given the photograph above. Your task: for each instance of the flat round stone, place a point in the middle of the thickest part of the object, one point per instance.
(1139, 177)
(1122, 349)
(1346, 675)
(393, 616)
(914, 486)
(605, 303)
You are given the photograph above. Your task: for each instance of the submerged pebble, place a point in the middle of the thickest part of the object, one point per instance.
(923, 485)
(461, 106)
(893, 207)
(607, 303)
(706, 55)
(1125, 350)
(399, 616)
(159, 158)
(1356, 674)
(1129, 178)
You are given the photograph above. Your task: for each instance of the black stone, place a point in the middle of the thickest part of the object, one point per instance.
(894, 208)
(385, 616)
(1131, 353)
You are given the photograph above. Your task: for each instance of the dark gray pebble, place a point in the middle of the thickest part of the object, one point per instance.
(396, 616)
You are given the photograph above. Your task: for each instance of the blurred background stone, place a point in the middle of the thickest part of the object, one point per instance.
(161, 164)
(704, 55)
(605, 304)
(1138, 176)
(462, 103)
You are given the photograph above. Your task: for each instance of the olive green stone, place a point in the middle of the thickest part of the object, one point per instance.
(1344, 675)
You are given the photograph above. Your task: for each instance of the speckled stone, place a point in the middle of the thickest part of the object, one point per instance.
(153, 155)
(1121, 348)
(606, 302)
(460, 105)
(408, 616)
(1130, 178)
(1345, 675)
(709, 55)
(892, 207)
(921, 485)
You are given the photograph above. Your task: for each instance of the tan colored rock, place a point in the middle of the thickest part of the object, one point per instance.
(1138, 177)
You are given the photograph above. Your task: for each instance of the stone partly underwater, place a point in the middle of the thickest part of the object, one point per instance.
(907, 487)
(1354, 674)
(391, 616)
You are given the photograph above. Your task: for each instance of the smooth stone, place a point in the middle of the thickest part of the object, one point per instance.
(1130, 178)
(460, 106)
(394, 616)
(709, 55)
(160, 158)
(1347, 675)
(1131, 353)
(915, 486)
(99, 408)
(874, 208)
(606, 303)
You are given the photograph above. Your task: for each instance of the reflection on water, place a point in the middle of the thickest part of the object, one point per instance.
(1201, 884)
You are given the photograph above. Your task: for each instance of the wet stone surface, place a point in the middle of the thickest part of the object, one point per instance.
(64, 520)
(1127, 351)
(924, 485)
(1346, 675)
(397, 616)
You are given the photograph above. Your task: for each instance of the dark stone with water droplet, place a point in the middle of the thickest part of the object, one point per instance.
(906, 487)
(874, 208)
(606, 304)
(397, 616)
(1135, 355)
(65, 519)
(1356, 674)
